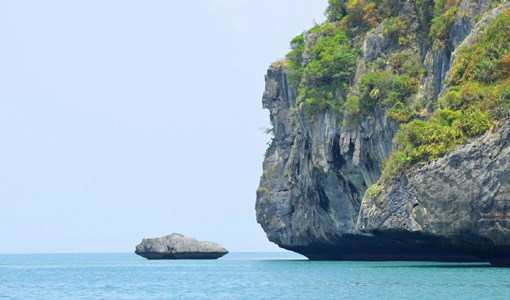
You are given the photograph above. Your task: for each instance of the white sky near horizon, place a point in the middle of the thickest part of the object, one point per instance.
(125, 119)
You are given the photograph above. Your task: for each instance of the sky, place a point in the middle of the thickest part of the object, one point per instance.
(124, 119)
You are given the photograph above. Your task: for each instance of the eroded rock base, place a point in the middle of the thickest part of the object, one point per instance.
(501, 263)
(162, 256)
(407, 247)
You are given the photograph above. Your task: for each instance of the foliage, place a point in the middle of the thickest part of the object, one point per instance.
(444, 14)
(352, 106)
(295, 59)
(420, 141)
(441, 24)
(374, 190)
(396, 30)
(408, 63)
(400, 113)
(358, 16)
(478, 94)
(331, 62)
(505, 97)
(374, 88)
(386, 90)
(336, 10)
(478, 87)
(323, 79)
(474, 122)
(488, 60)
(280, 64)
(361, 16)
(317, 99)
(388, 8)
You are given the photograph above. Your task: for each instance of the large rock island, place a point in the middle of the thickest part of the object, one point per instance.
(178, 246)
(391, 134)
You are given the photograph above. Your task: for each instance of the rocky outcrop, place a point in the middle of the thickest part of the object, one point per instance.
(315, 171)
(459, 204)
(178, 246)
(311, 198)
(439, 57)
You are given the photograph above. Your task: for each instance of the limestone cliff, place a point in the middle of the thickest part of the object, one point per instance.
(334, 127)
(462, 201)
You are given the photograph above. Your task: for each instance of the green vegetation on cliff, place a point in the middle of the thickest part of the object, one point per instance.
(478, 95)
(383, 89)
(443, 17)
(391, 81)
(326, 74)
(322, 64)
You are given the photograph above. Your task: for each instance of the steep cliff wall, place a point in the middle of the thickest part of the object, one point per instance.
(336, 103)
(461, 200)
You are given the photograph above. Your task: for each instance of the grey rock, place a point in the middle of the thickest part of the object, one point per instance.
(461, 200)
(317, 169)
(178, 246)
(373, 45)
(438, 59)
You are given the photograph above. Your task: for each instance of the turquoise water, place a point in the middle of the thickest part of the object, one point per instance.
(248, 276)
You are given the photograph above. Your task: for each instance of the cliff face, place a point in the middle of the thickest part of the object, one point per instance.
(313, 196)
(315, 171)
(461, 200)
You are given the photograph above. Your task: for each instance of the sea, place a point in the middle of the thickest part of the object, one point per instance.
(246, 276)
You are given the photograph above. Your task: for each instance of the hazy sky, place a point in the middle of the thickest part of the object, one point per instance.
(123, 119)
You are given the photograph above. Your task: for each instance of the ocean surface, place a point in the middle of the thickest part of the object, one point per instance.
(249, 276)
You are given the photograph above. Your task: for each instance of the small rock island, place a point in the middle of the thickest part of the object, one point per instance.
(178, 246)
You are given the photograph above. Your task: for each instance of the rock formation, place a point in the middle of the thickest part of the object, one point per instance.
(325, 155)
(178, 246)
(460, 203)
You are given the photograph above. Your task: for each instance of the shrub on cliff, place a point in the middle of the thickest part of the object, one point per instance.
(331, 58)
(395, 30)
(478, 94)
(295, 59)
(385, 90)
(322, 80)
(428, 140)
(336, 10)
(441, 24)
(488, 60)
